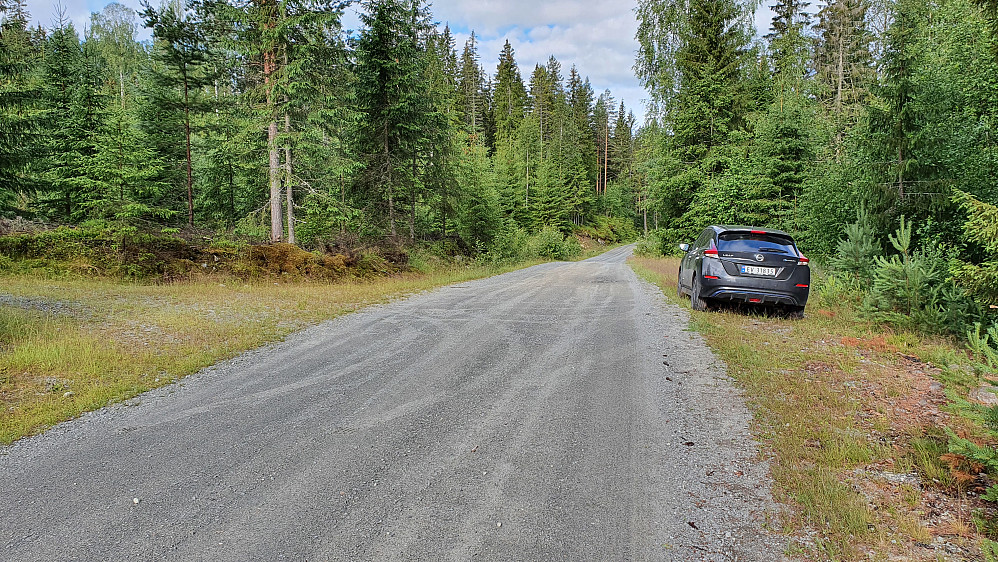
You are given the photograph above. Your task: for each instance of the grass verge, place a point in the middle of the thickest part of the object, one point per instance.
(852, 417)
(68, 346)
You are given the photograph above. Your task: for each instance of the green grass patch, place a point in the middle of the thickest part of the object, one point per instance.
(70, 345)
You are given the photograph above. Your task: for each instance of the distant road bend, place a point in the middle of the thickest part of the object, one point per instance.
(560, 412)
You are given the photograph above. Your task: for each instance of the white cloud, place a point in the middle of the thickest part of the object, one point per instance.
(598, 38)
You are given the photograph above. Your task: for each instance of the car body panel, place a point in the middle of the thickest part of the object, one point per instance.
(746, 264)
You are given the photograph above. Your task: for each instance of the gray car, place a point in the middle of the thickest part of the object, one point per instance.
(745, 265)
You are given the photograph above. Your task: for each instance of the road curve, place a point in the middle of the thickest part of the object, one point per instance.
(560, 412)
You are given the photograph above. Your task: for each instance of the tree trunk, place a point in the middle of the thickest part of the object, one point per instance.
(412, 215)
(526, 194)
(388, 186)
(606, 155)
(274, 169)
(599, 165)
(187, 138)
(288, 172)
(276, 221)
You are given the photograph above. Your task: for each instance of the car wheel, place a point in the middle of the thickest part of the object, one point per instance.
(796, 312)
(679, 286)
(696, 302)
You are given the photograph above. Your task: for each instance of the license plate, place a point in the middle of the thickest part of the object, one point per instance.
(753, 270)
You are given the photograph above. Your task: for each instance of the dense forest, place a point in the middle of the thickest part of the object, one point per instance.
(267, 119)
(864, 127)
(886, 105)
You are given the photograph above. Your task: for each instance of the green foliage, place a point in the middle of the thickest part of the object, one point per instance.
(856, 253)
(550, 243)
(981, 228)
(984, 454)
(509, 245)
(989, 549)
(658, 243)
(20, 114)
(984, 346)
(386, 132)
(912, 289)
(94, 247)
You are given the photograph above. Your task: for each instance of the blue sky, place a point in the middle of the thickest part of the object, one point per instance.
(596, 36)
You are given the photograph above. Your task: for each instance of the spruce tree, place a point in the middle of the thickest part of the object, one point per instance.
(471, 98)
(509, 94)
(19, 99)
(179, 79)
(895, 124)
(855, 253)
(74, 117)
(390, 93)
(844, 63)
(709, 70)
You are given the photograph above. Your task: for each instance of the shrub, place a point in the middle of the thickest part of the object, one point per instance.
(509, 245)
(912, 289)
(856, 253)
(551, 244)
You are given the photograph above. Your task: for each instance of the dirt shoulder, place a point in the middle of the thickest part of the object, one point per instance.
(855, 421)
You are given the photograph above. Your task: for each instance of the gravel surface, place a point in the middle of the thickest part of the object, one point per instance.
(561, 412)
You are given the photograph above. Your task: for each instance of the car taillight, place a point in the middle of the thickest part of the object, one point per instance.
(758, 231)
(801, 260)
(711, 252)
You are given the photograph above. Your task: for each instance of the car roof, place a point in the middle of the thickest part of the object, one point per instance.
(721, 228)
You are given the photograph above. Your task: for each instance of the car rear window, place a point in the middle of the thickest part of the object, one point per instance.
(750, 242)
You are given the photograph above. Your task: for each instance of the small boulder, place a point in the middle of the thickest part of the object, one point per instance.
(985, 395)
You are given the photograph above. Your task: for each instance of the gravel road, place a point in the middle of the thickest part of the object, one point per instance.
(561, 412)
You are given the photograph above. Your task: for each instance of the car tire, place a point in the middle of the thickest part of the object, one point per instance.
(679, 286)
(696, 302)
(796, 312)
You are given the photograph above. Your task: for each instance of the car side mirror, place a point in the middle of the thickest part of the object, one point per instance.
(684, 247)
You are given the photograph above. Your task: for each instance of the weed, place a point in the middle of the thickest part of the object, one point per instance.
(925, 454)
(989, 549)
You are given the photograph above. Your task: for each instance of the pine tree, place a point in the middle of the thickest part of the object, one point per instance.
(844, 62)
(19, 97)
(510, 95)
(180, 77)
(390, 87)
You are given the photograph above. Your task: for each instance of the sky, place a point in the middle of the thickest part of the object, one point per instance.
(596, 36)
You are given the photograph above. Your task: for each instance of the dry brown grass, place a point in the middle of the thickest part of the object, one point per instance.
(70, 346)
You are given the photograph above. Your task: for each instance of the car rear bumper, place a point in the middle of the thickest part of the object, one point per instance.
(717, 284)
(756, 296)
